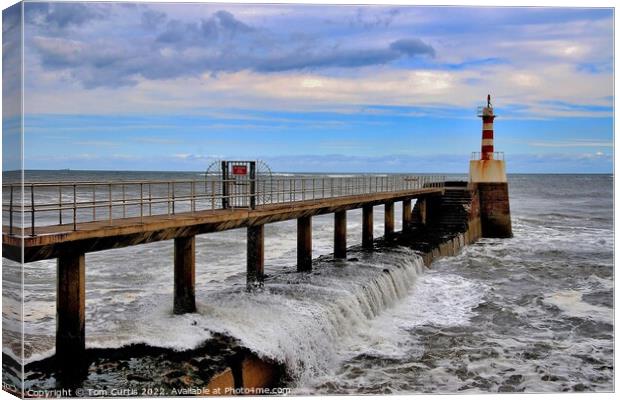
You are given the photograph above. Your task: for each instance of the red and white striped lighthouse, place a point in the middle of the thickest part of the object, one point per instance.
(488, 165)
(487, 174)
(486, 151)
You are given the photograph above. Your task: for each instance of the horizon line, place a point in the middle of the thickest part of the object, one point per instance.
(305, 172)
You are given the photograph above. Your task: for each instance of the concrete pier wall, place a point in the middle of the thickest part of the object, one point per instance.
(458, 226)
(495, 210)
(250, 376)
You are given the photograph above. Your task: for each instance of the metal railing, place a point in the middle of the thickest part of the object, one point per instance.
(39, 204)
(496, 155)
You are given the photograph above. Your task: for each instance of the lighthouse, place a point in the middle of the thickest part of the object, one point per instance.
(487, 165)
(487, 148)
(487, 171)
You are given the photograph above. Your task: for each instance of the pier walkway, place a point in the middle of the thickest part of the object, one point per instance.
(66, 220)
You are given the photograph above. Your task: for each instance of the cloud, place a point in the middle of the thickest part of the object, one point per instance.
(221, 26)
(102, 62)
(12, 62)
(597, 162)
(403, 163)
(108, 64)
(152, 19)
(156, 140)
(194, 58)
(58, 16)
(412, 47)
(572, 143)
(178, 32)
(12, 144)
(297, 65)
(220, 43)
(374, 18)
(399, 92)
(228, 22)
(97, 143)
(348, 58)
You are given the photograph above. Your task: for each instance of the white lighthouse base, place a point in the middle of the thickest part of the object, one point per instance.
(487, 171)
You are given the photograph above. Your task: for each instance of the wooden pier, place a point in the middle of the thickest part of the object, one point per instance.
(94, 216)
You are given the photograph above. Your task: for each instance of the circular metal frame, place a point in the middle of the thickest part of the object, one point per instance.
(264, 179)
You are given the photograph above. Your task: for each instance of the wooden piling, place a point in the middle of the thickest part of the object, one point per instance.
(367, 233)
(406, 214)
(340, 234)
(304, 244)
(389, 219)
(70, 312)
(256, 256)
(184, 274)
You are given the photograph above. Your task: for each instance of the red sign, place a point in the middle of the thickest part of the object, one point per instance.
(240, 170)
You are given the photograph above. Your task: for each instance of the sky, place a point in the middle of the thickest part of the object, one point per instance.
(152, 86)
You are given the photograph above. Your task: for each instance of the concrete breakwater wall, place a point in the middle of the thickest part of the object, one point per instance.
(454, 221)
(221, 366)
(441, 227)
(453, 246)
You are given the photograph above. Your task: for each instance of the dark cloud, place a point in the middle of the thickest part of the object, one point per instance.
(171, 48)
(62, 15)
(231, 24)
(348, 58)
(221, 25)
(413, 47)
(153, 19)
(343, 58)
(374, 19)
(178, 32)
(209, 28)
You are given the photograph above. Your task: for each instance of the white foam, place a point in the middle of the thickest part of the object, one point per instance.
(571, 303)
(437, 299)
(300, 320)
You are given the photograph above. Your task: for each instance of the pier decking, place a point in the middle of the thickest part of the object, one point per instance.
(53, 240)
(66, 220)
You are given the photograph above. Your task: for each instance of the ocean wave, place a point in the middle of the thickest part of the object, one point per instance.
(299, 320)
(571, 303)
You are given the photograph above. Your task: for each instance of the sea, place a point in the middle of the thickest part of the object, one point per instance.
(533, 313)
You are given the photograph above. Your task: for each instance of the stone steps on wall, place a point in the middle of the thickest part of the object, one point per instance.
(453, 209)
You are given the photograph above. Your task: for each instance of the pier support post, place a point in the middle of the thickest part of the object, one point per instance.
(367, 234)
(256, 256)
(184, 274)
(340, 234)
(389, 219)
(304, 244)
(422, 207)
(70, 314)
(406, 215)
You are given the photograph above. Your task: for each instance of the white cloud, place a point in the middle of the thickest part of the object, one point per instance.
(572, 143)
(451, 163)
(536, 67)
(538, 91)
